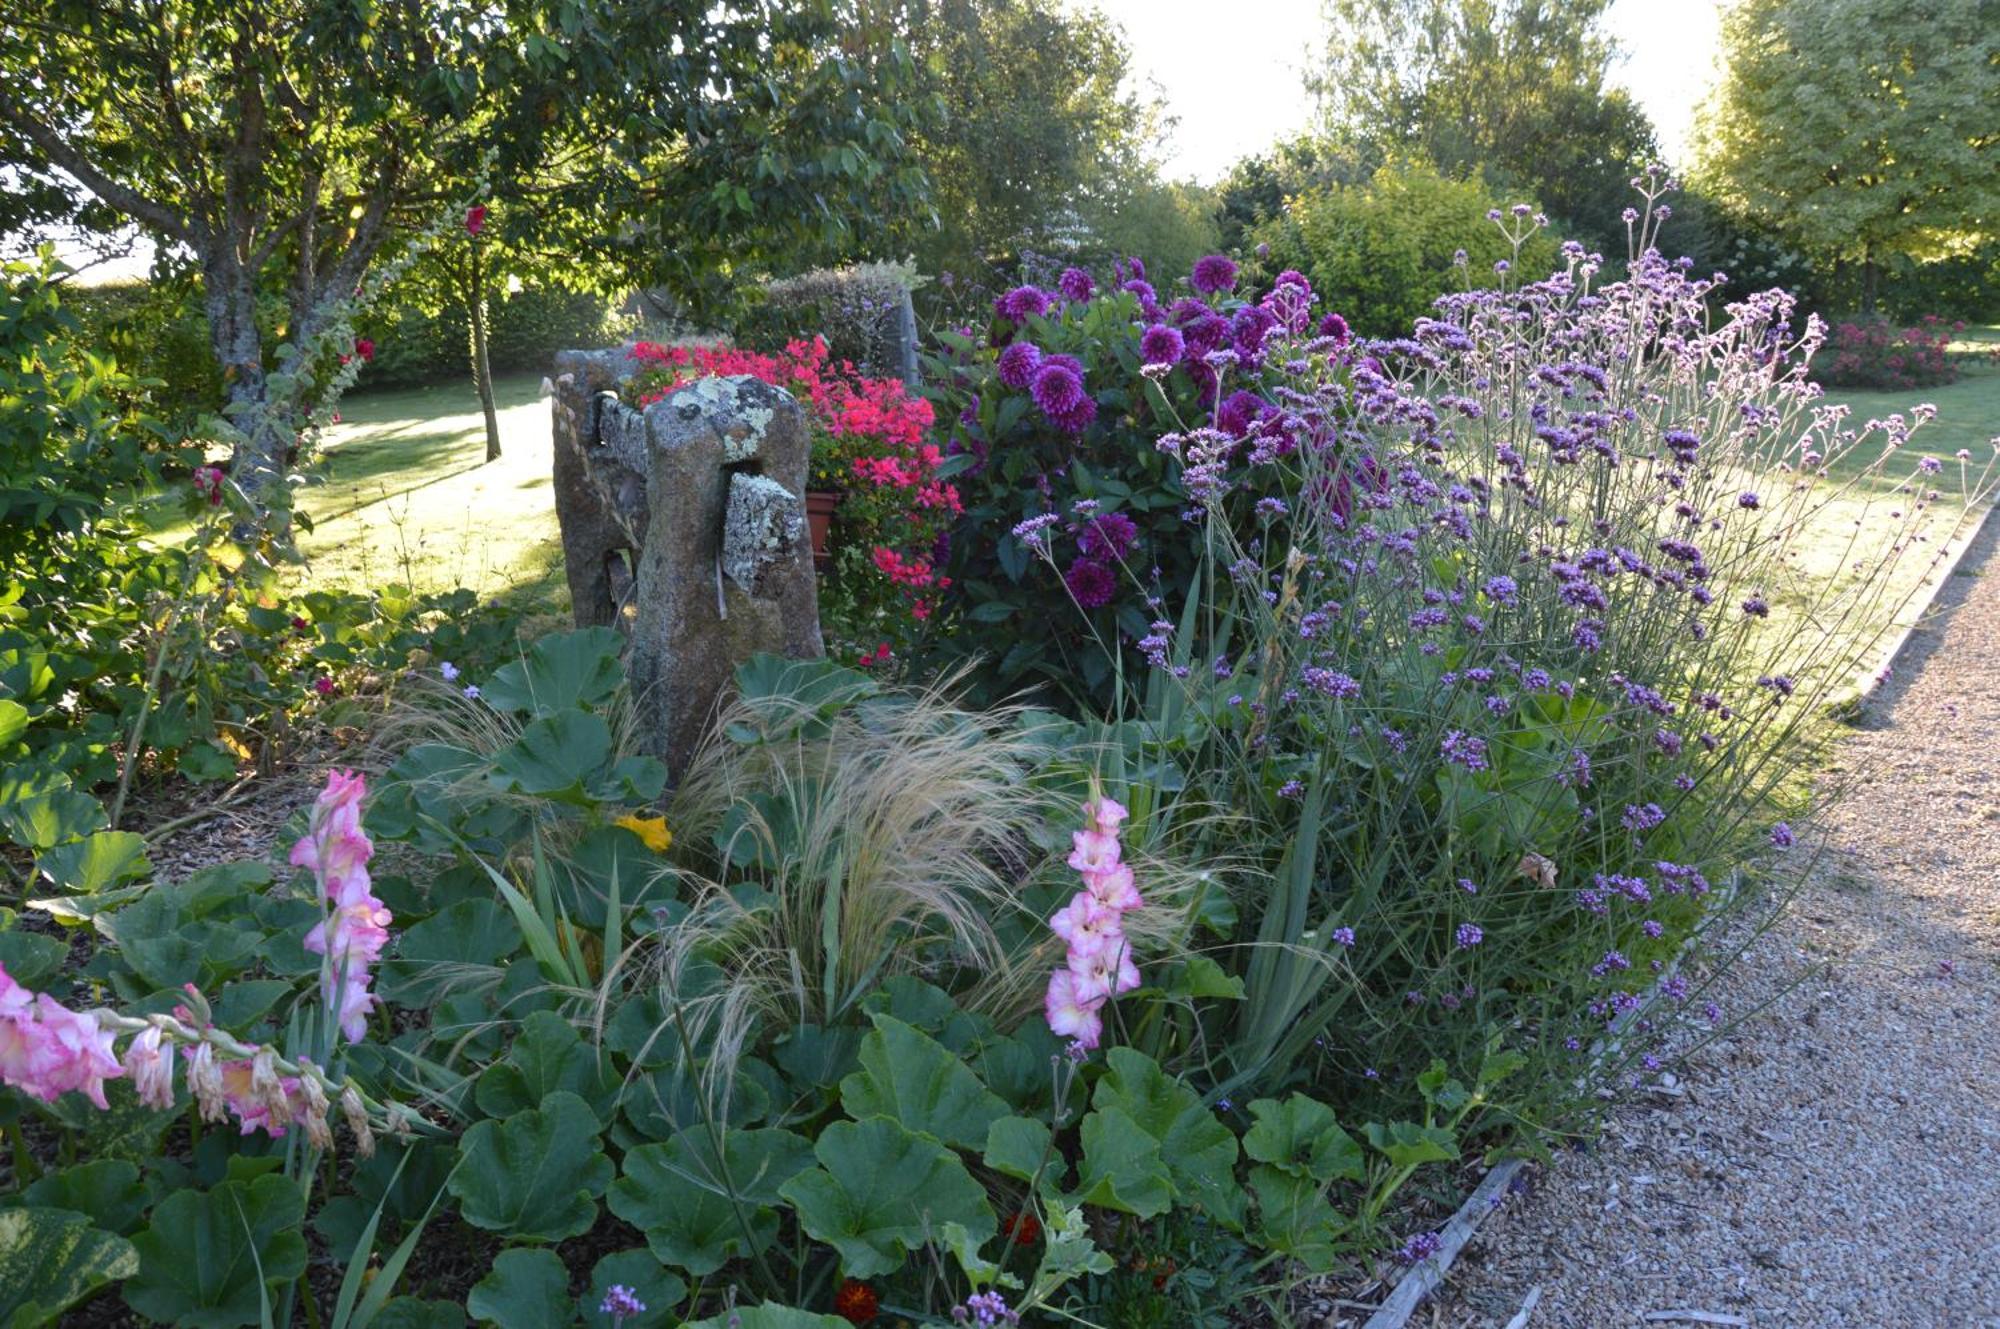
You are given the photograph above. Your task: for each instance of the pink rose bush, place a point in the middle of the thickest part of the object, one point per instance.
(1099, 965)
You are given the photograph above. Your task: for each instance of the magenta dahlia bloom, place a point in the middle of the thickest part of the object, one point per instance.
(1204, 333)
(1149, 299)
(1058, 390)
(1334, 326)
(1212, 274)
(1022, 303)
(1076, 285)
(1247, 331)
(1161, 345)
(1091, 582)
(1018, 364)
(1108, 538)
(1238, 412)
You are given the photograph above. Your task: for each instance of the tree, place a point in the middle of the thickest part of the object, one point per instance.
(289, 144)
(1514, 89)
(1044, 145)
(1860, 128)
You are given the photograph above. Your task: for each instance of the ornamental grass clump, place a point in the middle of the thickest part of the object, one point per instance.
(1503, 640)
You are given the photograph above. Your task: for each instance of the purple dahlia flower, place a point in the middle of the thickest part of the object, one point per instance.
(1076, 285)
(1018, 364)
(1212, 274)
(1161, 345)
(1022, 303)
(1091, 582)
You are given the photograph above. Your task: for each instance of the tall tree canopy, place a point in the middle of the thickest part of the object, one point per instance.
(1514, 88)
(1044, 145)
(287, 144)
(1860, 128)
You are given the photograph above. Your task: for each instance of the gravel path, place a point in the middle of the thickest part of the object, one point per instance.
(1836, 1161)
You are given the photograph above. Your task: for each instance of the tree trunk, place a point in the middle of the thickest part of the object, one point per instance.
(263, 442)
(482, 371)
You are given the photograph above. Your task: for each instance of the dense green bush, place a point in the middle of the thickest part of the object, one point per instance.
(1380, 252)
(158, 333)
(525, 329)
(857, 309)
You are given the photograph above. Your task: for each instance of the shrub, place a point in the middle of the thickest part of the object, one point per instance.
(1497, 647)
(1380, 252)
(1873, 353)
(858, 309)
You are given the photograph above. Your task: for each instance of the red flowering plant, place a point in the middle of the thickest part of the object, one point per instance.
(871, 442)
(1871, 352)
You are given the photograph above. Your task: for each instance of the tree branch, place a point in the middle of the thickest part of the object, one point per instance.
(148, 211)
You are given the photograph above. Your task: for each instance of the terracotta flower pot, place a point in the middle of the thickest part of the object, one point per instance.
(820, 504)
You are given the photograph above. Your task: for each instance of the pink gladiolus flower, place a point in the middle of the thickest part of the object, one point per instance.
(1070, 1014)
(356, 926)
(1114, 888)
(1104, 815)
(1087, 924)
(46, 1049)
(1094, 851)
(152, 1070)
(1106, 974)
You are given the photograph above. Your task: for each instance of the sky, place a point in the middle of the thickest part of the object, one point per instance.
(1232, 72)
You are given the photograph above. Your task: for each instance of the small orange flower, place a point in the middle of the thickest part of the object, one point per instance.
(856, 1302)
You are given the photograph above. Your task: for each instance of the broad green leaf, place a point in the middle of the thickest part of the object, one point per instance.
(535, 1176)
(771, 1317)
(1293, 1217)
(30, 957)
(1407, 1144)
(909, 1076)
(199, 1261)
(101, 860)
(562, 671)
(1203, 979)
(50, 1259)
(554, 754)
(1067, 1252)
(526, 1289)
(104, 1190)
(1199, 1151)
(680, 1196)
(548, 1054)
(1440, 1090)
(1300, 1136)
(1122, 1168)
(437, 953)
(49, 815)
(1017, 1146)
(13, 721)
(881, 1191)
(661, 1290)
(416, 1313)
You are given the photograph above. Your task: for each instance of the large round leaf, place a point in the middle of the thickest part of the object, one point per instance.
(200, 1259)
(907, 1075)
(50, 1259)
(527, 1289)
(881, 1191)
(535, 1176)
(560, 672)
(554, 755)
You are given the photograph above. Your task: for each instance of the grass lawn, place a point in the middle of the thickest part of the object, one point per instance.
(405, 495)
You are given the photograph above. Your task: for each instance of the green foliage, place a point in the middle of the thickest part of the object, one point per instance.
(527, 1289)
(1518, 91)
(916, 1081)
(1380, 252)
(417, 345)
(881, 1191)
(1860, 128)
(50, 1259)
(535, 1175)
(208, 1258)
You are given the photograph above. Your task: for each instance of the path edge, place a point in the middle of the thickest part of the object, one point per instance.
(1872, 680)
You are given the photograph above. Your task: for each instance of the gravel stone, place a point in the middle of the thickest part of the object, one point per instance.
(1835, 1159)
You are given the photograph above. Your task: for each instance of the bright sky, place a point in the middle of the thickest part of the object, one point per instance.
(1233, 72)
